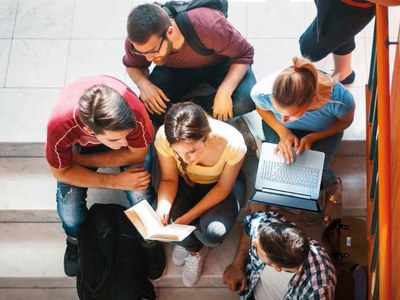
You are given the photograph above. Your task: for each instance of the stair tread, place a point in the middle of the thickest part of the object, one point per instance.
(36, 260)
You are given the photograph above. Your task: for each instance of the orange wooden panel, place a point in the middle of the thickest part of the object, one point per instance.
(395, 141)
(384, 156)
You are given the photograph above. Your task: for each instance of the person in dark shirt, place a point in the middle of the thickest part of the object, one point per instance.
(153, 36)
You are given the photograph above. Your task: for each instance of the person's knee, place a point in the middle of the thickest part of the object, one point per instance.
(311, 50)
(242, 104)
(213, 234)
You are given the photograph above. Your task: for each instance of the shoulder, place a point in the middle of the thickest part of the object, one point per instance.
(233, 137)
(161, 143)
(262, 90)
(319, 265)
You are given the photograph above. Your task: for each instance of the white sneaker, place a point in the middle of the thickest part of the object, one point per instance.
(250, 137)
(179, 255)
(193, 267)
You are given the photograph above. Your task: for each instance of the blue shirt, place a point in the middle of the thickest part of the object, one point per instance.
(341, 103)
(316, 279)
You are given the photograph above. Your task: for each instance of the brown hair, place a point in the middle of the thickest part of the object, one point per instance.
(146, 20)
(102, 108)
(284, 244)
(298, 84)
(186, 122)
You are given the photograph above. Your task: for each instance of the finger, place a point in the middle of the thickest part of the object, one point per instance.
(136, 169)
(300, 148)
(161, 103)
(230, 113)
(242, 285)
(296, 142)
(291, 155)
(155, 107)
(225, 116)
(147, 107)
(215, 114)
(163, 96)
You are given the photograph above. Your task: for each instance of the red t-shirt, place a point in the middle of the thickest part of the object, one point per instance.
(65, 129)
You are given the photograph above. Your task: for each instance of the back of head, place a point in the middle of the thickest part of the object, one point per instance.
(296, 85)
(102, 108)
(186, 121)
(146, 20)
(285, 244)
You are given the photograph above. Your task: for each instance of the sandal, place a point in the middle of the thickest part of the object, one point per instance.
(334, 195)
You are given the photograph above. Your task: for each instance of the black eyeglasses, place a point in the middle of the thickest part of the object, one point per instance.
(151, 51)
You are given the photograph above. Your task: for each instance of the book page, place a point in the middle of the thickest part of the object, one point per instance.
(135, 219)
(149, 225)
(173, 232)
(148, 218)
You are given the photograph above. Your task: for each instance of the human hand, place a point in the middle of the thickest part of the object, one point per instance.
(134, 179)
(305, 143)
(163, 209)
(153, 98)
(234, 278)
(184, 220)
(223, 107)
(285, 146)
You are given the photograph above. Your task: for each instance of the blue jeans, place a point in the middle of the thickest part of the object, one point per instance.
(177, 82)
(328, 145)
(212, 226)
(71, 200)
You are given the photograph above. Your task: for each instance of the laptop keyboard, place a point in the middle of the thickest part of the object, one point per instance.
(290, 174)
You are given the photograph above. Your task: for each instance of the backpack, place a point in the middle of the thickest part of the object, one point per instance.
(346, 241)
(178, 11)
(110, 257)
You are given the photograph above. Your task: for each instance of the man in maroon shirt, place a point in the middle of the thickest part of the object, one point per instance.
(155, 37)
(99, 122)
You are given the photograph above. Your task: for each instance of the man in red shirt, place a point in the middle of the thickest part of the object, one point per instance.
(153, 36)
(99, 122)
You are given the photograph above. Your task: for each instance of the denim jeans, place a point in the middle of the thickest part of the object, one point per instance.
(71, 200)
(328, 145)
(177, 82)
(213, 225)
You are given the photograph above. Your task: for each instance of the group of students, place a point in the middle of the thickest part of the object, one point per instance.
(100, 122)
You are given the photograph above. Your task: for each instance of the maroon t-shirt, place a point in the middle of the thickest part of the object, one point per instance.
(65, 129)
(215, 32)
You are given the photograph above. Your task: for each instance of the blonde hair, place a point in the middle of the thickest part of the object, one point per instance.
(298, 84)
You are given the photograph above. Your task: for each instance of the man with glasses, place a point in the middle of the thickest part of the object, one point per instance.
(153, 36)
(275, 260)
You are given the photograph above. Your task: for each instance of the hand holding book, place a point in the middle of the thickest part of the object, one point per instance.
(149, 224)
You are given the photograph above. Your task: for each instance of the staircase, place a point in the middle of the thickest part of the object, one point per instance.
(39, 54)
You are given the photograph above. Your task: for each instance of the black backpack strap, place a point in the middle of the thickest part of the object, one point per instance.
(185, 26)
(187, 29)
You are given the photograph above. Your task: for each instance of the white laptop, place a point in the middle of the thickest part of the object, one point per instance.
(295, 185)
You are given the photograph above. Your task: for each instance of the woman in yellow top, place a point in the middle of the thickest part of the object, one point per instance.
(200, 159)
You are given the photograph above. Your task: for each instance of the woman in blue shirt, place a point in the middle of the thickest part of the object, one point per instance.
(304, 108)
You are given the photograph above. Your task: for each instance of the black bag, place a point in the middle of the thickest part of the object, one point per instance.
(346, 241)
(178, 11)
(110, 257)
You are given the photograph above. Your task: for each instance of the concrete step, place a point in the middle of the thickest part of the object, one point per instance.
(28, 188)
(31, 256)
(23, 134)
(163, 294)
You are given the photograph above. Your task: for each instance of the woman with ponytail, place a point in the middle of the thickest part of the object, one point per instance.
(200, 159)
(304, 108)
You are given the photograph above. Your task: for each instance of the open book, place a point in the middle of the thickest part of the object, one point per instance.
(148, 223)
